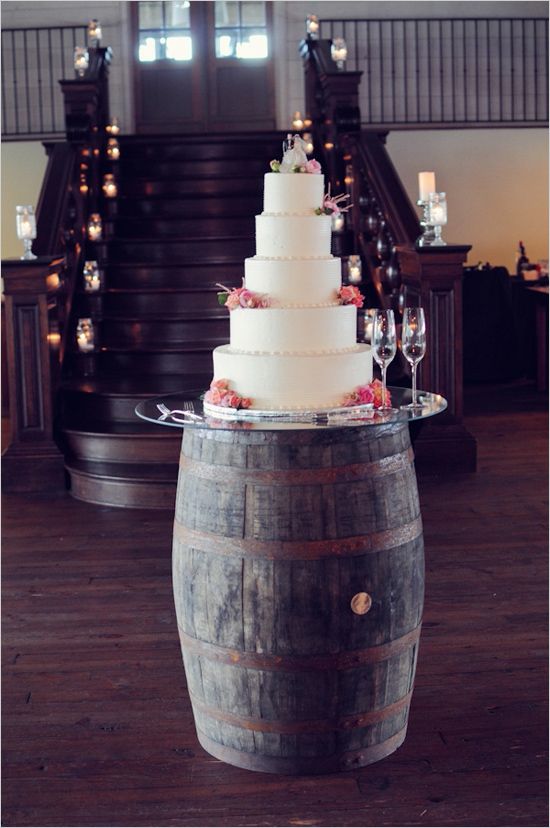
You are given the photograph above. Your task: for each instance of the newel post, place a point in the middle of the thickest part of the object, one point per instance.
(32, 461)
(432, 278)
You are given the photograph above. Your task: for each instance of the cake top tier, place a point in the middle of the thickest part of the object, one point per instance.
(293, 193)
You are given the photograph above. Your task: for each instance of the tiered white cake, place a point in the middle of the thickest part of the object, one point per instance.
(300, 352)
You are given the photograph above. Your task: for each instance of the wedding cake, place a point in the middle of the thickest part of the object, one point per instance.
(293, 326)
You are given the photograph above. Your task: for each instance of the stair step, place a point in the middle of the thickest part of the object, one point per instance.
(112, 399)
(158, 168)
(181, 207)
(171, 275)
(246, 146)
(177, 360)
(129, 303)
(166, 304)
(125, 485)
(229, 187)
(164, 334)
(180, 228)
(157, 445)
(210, 251)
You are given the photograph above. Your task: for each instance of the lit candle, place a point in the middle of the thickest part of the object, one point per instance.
(354, 269)
(113, 149)
(308, 138)
(113, 127)
(110, 189)
(297, 122)
(94, 33)
(338, 222)
(312, 26)
(339, 51)
(85, 335)
(92, 279)
(81, 60)
(94, 227)
(426, 185)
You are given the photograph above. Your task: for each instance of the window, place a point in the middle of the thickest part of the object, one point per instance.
(241, 29)
(164, 30)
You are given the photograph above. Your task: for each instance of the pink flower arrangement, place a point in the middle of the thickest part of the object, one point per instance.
(332, 205)
(241, 298)
(220, 394)
(313, 167)
(366, 394)
(350, 295)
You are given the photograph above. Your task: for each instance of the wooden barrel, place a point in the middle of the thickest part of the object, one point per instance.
(298, 569)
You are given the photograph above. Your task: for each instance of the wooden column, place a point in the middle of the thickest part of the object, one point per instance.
(432, 278)
(32, 460)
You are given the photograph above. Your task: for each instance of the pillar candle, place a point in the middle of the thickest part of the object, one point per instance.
(426, 185)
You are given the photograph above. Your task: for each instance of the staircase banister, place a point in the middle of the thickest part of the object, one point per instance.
(52, 200)
(370, 158)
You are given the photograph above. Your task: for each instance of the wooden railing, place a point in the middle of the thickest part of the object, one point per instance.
(33, 60)
(40, 327)
(460, 72)
(383, 228)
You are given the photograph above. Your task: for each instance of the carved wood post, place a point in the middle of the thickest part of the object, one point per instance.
(432, 277)
(32, 461)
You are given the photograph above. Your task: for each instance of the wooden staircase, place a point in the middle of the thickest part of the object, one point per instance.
(183, 222)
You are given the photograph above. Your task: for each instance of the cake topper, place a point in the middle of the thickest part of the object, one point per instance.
(295, 158)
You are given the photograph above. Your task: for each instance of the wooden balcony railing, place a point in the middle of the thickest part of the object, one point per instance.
(40, 327)
(452, 72)
(383, 227)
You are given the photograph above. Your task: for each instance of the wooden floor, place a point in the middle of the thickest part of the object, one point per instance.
(98, 729)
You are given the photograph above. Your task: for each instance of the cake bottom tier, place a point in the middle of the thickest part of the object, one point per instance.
(293, 381)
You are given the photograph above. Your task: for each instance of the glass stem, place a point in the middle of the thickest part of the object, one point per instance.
(384, 368)
(413, 367)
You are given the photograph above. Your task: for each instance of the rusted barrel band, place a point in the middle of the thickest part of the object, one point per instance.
(284, 726)
(298, 549)
(301, 663)
(302, 764)
(299, 477)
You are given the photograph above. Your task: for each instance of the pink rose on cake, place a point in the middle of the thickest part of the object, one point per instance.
(220, 394)
(367, 394)
(241, 298)
(350, 295)
(313, 167)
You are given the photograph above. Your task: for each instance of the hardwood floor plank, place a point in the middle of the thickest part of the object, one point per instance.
(97, 724)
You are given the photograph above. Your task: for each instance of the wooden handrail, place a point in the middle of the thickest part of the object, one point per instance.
(383, 227)
(39, 293)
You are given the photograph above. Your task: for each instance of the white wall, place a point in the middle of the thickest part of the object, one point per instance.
(23, 167)
(496, 182)
(496, 179)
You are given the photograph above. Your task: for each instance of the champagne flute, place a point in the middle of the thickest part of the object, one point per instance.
(384, 346)
(413, 345)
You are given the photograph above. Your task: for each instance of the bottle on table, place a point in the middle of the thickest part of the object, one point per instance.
(521, 260)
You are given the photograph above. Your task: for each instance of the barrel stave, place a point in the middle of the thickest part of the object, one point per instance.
(274, 534)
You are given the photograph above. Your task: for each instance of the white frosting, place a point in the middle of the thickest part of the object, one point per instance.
(301, 352)
(294, 236)
(294, 282)
(291, 330)
(293, 192)
(294, 382)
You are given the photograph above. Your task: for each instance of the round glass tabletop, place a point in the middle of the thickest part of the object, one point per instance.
(186, 409)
